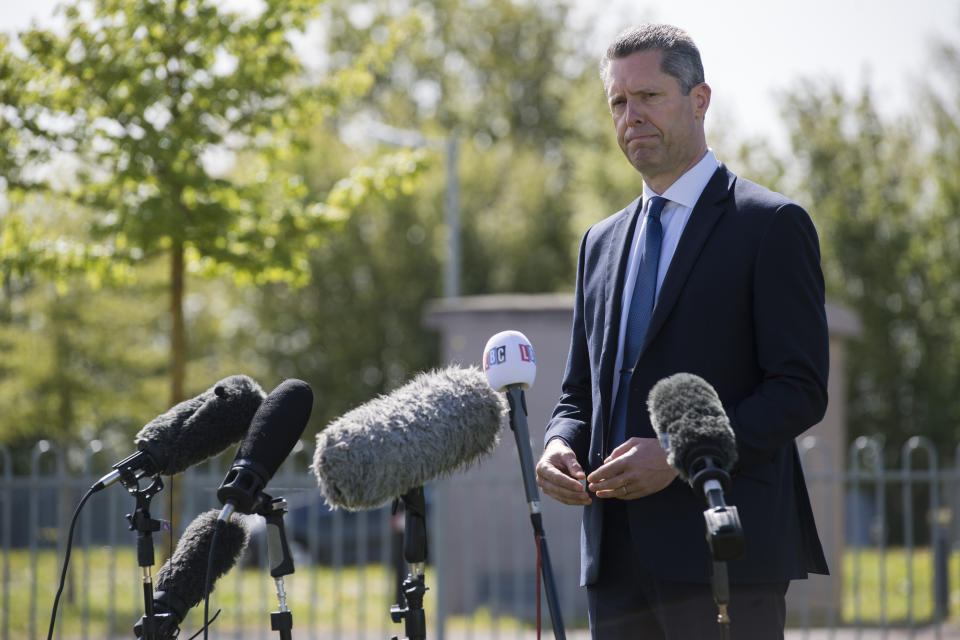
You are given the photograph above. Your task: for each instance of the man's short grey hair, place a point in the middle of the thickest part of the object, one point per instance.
(681, 58)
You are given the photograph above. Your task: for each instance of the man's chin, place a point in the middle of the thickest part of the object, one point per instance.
(646, 163)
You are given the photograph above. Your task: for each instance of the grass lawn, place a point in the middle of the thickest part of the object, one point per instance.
(355, 599)
(318, 597)
(873, 596)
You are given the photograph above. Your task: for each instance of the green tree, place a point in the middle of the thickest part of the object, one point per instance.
(941, 210)
(506, 78)
(359, 325)
(79, 365)
(883, 201)
(141, 97)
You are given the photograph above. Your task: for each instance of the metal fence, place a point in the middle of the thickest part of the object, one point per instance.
(891, 529)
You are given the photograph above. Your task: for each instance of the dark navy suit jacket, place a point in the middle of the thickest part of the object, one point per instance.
(741, 305)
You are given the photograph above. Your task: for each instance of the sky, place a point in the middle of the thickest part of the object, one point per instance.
(754, 50)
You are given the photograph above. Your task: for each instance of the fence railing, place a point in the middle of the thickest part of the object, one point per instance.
(894, 550)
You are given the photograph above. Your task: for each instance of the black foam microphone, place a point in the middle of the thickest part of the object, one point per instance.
(190, 432)
(181, 580)
(438, 423)
(274, 431)
(694, 430)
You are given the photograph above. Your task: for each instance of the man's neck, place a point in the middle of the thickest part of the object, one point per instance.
(660, 183)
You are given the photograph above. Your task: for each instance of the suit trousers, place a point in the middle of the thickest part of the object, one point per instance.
(629, 603)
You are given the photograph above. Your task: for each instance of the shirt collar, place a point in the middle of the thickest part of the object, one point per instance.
(688, 187)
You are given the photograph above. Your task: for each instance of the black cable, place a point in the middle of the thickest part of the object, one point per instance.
(206, 625)
(66, 559)
(172, 523)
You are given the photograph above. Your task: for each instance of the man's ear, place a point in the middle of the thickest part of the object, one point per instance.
(701, 99)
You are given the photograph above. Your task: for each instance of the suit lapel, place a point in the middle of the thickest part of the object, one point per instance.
(706, 213)
(617, 254)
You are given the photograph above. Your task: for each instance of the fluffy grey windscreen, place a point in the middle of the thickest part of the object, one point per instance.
(436, 424)
(686, 409)
(201, 427)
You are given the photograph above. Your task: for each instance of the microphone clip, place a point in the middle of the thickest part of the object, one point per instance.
(723, 529)
(243, 485)
(141, 521)
(704, 466)
(724, 533)
(159, 625)
(135, 466)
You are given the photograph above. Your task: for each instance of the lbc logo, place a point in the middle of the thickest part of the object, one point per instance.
(498, 355)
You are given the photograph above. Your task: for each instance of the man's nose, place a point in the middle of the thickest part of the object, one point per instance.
(636, 112)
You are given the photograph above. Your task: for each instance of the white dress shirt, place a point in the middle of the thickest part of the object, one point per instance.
(681, 197)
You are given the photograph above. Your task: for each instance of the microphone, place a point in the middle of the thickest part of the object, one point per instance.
(274, 431)
(180, 582)
(437, 423)
(190, 432)
(510, 365)
(694, 430)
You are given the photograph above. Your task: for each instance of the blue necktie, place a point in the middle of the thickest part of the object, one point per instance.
(641, 308)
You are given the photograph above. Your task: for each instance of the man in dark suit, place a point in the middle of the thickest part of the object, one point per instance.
(705, 273)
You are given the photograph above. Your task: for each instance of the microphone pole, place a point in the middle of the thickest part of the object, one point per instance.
(410, 609)
(518, 422)
(724, 534)
(141, 522)
(280, 559)
(273, 433)
(510, 365)
(694, 430)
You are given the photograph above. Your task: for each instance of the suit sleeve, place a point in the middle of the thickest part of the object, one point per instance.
(791, 338)
(572, 416)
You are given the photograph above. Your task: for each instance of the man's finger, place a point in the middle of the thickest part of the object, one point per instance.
(562, 487)
(608, 470)
(550, 474)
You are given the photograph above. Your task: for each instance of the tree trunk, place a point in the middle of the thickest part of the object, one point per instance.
(178, 370)
(178, 334)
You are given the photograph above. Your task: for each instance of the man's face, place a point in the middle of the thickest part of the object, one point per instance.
(659, 129)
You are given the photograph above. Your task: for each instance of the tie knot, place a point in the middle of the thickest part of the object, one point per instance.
(656, 206)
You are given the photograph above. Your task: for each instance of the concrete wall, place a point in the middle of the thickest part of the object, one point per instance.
(490, 498)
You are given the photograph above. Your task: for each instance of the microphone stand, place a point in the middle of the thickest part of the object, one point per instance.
(518, 423)
(280, 559)
(410, 608)
(724, 534)
(141, 522)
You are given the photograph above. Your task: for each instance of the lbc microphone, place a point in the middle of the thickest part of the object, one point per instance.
(694, 430)
(190, 432)
(181, 579)
(438, 423)
(510, 366)
(274, 430)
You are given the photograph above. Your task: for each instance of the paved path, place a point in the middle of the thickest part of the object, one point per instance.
(947, 632)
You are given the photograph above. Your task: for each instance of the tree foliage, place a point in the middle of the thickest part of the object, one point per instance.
(141, 98)
(358, 328)
(883, 199)
(112, 127)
